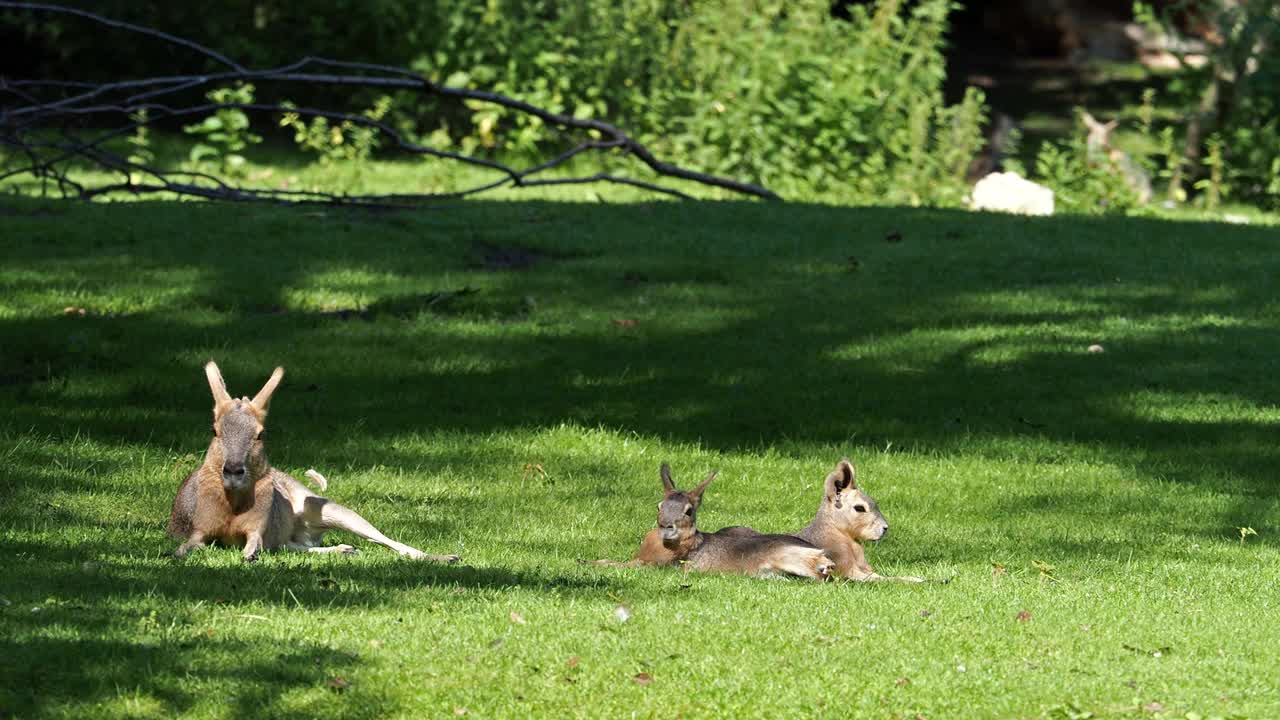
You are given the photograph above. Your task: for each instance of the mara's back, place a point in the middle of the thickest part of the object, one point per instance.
(755, 554)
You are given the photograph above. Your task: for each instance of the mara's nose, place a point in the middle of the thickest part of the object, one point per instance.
(233, 468)
(885, 531)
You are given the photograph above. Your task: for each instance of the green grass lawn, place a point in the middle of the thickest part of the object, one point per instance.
(1085, 506)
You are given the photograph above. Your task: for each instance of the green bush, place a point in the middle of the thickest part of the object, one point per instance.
(815, 105)
(1081, 182)
(225, 132)
(776, 92)
(1230, 134)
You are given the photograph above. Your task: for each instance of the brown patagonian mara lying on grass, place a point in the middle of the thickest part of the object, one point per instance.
(677, 540)
(237, 498)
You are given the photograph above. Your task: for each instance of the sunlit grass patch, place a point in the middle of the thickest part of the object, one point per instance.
(1085, 507)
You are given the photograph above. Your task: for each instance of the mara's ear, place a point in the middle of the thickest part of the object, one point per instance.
(844, 477)
(263, 398)
(696, 494)
(668, 485)
(216, 385)
(1110, 125)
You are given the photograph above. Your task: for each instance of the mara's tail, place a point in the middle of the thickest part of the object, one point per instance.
(317, 479)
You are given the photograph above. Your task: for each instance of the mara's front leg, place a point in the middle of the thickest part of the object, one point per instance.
(252, 546)
(195, 540)
(877, 577)
(651, 552)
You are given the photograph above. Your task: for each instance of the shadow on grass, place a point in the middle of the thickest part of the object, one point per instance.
(755, 330)
(175, 675)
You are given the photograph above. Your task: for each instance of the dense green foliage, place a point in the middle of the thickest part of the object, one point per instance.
(1088, 506)
(845, 109)
(776, 92)
(1234, 98)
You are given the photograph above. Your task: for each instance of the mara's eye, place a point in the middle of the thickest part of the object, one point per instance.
(859, 508)
(689, 511)
(260, 434)
(215, 430)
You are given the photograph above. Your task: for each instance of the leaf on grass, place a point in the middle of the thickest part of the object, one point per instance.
(74, 311)
(459, 711)
(624, 322)
(926, 612)
(1023, 616)
(1154, 652)
(643, 678)
(572, 662)
(1046, 570)
(517, 618)
(622, 612)
(902, 681)
(997, 570)
(338, 684)
(1153, 707)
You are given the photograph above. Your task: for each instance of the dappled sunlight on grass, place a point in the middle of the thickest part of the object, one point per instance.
(521, 426)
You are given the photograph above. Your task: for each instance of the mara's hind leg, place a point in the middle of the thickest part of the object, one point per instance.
(802, 562)
(343, 549)
(325, 513)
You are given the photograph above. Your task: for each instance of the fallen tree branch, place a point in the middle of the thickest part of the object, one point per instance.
(29, 118)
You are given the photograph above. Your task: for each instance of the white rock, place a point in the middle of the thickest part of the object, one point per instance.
(1010, 192)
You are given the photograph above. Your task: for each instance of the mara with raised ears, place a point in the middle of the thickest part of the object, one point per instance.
(733, 549)
(847, 517)
(237, 498)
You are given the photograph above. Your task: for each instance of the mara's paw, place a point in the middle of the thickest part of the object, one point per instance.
(346, 549)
